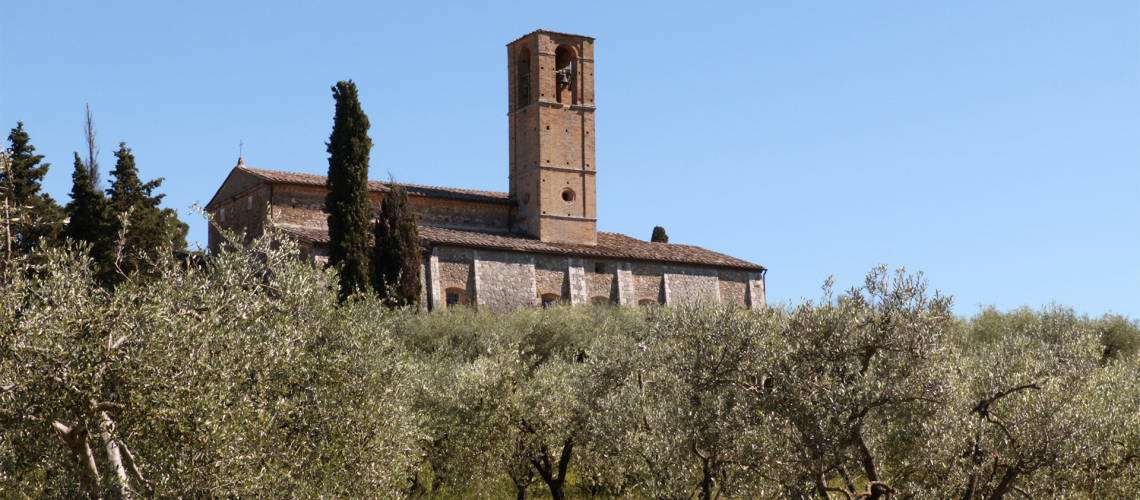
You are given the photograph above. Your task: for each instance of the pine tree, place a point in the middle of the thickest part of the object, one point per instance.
(659, 235)
(149, 230)
(396, 256)
(34, 216)
(87, 211)
(347, 203)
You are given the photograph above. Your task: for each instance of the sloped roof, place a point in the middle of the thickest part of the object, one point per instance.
(610, 245)
(277, 177)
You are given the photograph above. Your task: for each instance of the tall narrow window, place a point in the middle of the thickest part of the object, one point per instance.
(523, 71)
(564, 75)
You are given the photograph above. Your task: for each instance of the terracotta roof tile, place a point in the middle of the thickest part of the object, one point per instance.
(610, 245)
(380, 187)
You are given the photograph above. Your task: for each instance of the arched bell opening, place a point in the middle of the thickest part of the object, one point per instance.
(564, 76)
(522, 69)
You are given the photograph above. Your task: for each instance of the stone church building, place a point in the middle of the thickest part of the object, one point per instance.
(532, 245)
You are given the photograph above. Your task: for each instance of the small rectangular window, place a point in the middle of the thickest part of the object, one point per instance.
(452, 299)
(599, 268)
(249, 203)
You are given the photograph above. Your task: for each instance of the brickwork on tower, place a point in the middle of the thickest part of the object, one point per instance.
(551, 115)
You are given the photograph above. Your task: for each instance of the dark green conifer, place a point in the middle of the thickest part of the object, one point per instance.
(659, 235)
(36, 218)
(150, 230)
(24, 170)
(396, 256)
(178, 229)
(87, 211)
(347, 203)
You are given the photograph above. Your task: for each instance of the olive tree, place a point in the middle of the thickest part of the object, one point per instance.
(1043, 410)
(233, 376)
(683, 425)
(513, 395)
(851, 384)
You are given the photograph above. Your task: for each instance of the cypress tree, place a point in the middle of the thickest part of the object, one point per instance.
(37, 217)
(350, 211)
(396, 256)
(150, 231)
(659, 235)
(87, 211)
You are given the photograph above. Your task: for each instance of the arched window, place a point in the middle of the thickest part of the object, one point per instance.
(564, 75)
(647, 302)
(522, 69)
(549, 299)
(599, 300)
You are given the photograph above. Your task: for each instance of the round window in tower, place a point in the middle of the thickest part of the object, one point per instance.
(568, 195)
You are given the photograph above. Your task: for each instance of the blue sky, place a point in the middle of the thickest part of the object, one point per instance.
(994, 146)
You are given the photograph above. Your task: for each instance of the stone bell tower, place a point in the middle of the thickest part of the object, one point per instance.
(551, 91)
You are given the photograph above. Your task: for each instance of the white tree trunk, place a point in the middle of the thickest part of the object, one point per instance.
(106, 432)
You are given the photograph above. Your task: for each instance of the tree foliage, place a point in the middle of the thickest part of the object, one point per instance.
(240, 378)
(137, 232)
(245, 375)
(87, 212)
(347, 203)
(33, 218)
(879, 392)
(396, 256)
(659, 235)
(533, 381)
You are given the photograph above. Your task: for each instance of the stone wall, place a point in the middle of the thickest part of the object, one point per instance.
(691, 285)
(550, 276)
(309, 202)
(576, 278)
(455, 273)
(600, 285)
(647, 279)
(300, 197)
(623, 283)
(756, 296)
(460, 214)
(733, 287)
(245, 211)
(503, 280)
(303, 205)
